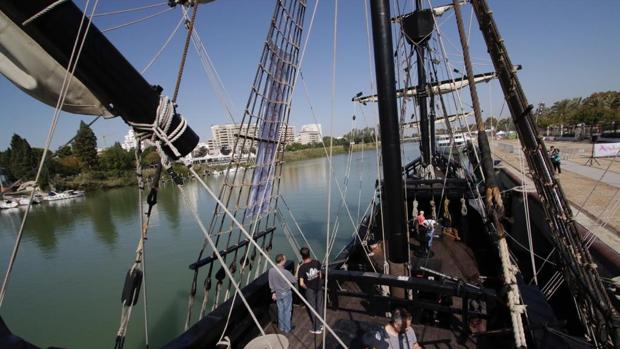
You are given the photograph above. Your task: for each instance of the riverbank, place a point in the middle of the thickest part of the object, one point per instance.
(99, 180)
(313, 153)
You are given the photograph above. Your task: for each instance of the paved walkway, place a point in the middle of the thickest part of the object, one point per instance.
(611, 178)
(578, 181)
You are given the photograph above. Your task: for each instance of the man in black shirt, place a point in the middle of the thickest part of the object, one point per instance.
(309, 274)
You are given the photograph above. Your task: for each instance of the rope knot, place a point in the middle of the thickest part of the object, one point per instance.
(166, 131)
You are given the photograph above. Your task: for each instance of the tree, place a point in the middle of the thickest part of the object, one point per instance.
(21, 162)
(201, 151)
(116, 159)
(505, 124)
(85, 147)
(150, 156)
(490, 122)
(64, 151)
(66, 166)
(365, 135)
(5, 157)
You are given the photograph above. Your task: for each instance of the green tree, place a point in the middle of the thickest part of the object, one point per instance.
(5, 157)
(150, 156)
(67, 166)
(64, 151)
(85, 147)
(505, 124)
(365, 135)
(47, 171)
(490, 122)
(21, 161)
(117, 160)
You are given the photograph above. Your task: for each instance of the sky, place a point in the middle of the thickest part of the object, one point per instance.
(567, 49)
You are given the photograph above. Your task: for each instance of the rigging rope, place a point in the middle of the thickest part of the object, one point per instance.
(526, 208)
(64, 90)
(194, 212)
(163, 47)
(190, 30)
(116, 12)
(331, 152)
(262, 252)
(137, 20)
(44, 11)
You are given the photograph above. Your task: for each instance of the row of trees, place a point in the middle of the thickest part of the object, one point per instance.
(21, 161)
(598, 109)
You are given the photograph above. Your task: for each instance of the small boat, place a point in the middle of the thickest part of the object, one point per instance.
(74, 193)
(5, 204)
(54, 196)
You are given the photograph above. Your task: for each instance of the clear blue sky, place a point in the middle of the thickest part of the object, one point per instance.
(567, 48)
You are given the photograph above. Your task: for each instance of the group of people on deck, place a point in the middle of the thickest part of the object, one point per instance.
(397, 334)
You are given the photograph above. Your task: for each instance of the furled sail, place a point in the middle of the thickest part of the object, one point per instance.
(451, 118)
(441, 87)
(33, 70)
(37, 41)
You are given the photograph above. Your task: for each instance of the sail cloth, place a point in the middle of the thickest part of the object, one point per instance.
(269, 129)
(105, 82)
(29, 67)
(442, 87)
(440, 120)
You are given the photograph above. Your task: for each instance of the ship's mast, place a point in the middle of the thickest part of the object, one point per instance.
(427, 126)
(393, 196)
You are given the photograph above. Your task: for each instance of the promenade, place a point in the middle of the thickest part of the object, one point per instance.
(592, 191)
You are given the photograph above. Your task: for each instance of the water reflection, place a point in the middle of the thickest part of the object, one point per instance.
(99, 211)
(168, 201)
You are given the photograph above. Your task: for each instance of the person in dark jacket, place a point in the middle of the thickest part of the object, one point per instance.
(310, 279)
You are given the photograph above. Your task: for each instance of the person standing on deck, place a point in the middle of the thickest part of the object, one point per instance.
(421, 219)
(282, 294)
(429, 224)
(310, 279)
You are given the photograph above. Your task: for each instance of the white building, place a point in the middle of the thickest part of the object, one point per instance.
(287, 136)
(311, 133)
(225, 135)
(212, 146)
(130, 140)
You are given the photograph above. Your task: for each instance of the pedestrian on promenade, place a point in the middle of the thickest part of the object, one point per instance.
(556, 159)
(310, 279)
(281, 293)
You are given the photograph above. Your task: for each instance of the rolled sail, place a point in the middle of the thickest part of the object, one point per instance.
(35, 51)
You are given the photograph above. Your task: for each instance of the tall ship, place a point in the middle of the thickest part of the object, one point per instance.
(452, 236)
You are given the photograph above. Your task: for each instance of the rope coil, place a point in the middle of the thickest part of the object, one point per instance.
(159, 131)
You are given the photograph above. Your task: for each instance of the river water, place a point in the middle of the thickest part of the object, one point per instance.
(66, 284)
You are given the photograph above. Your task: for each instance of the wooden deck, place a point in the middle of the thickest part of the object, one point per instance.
(354, 319)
